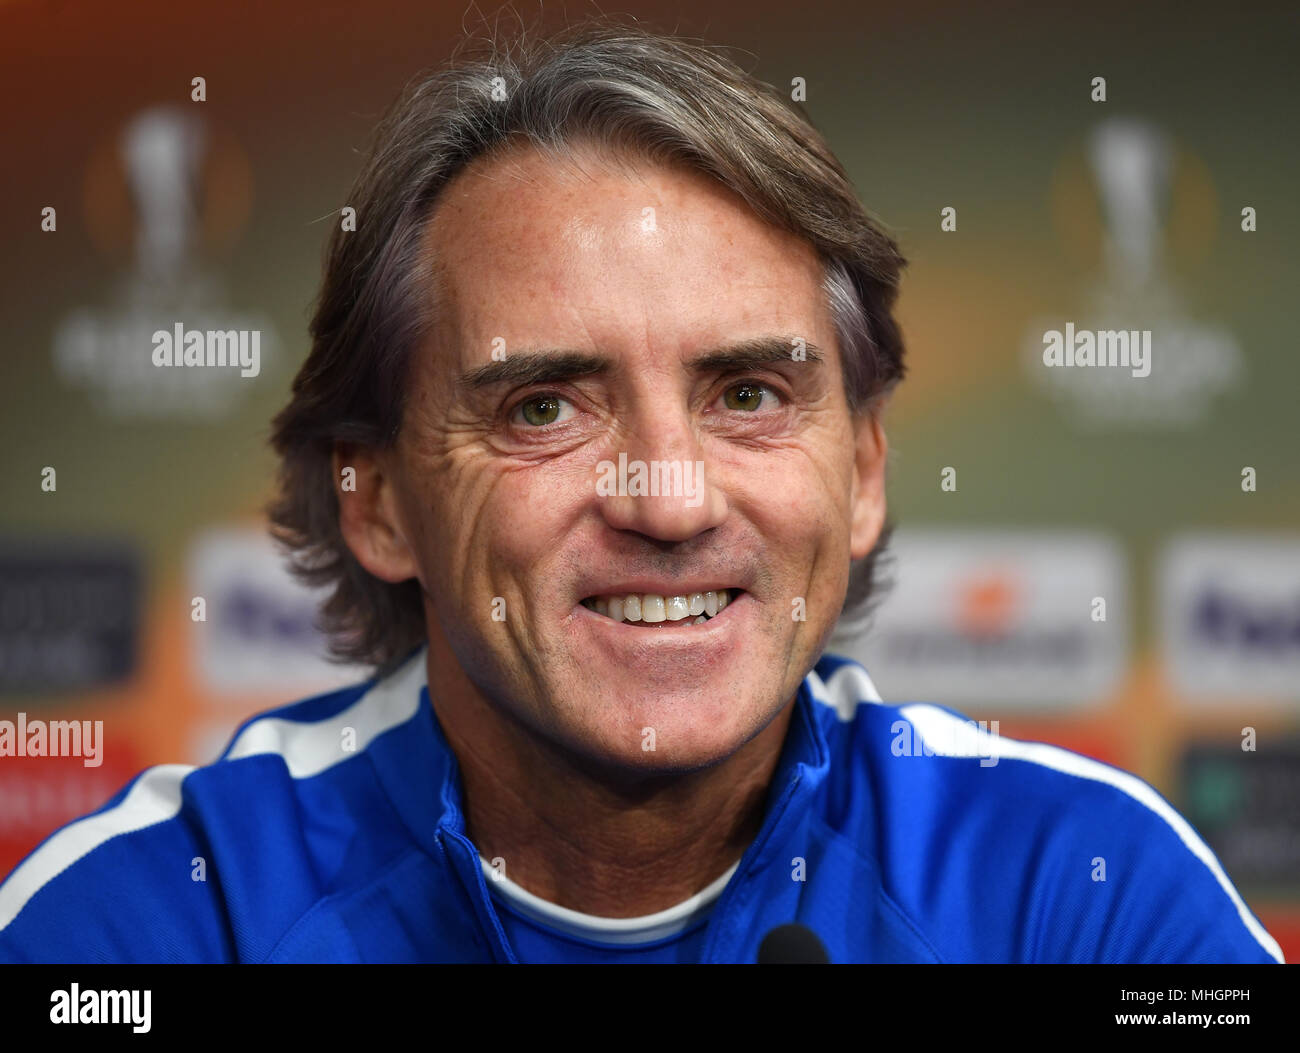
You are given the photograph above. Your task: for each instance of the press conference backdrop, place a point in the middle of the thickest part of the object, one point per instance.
(1088, 556)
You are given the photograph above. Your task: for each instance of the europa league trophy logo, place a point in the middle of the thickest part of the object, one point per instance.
(1129, 171)
(164, 195)
(1130, 163)
(162, 150)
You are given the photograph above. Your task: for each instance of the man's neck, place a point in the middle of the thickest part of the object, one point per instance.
(616, 848)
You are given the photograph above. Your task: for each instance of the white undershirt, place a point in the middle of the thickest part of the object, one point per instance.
(648, 927)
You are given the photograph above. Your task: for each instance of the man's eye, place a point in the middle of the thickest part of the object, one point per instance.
(746, 397)
(541, 410)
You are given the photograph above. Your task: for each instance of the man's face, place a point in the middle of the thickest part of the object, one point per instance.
(602, 313)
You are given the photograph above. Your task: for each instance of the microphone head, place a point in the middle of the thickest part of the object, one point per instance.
(792, 944)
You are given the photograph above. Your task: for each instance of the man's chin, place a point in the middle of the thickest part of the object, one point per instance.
(673, 732)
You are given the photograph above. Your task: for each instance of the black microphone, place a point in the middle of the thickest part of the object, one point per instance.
(792, 944)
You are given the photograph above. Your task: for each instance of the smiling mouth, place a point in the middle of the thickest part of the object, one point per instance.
(652, 611)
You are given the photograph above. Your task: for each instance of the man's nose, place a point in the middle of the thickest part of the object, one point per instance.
(657, 483)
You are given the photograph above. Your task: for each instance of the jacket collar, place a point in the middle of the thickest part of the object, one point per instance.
(803, 766)
(421, 777)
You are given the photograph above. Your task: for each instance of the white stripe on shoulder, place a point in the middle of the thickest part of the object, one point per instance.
(310, 748)
(307, 748)
(950, 736)
(155, 796)
(844, 689)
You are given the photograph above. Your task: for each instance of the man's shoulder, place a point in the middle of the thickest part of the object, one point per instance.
(914, 744)
(920, 755)
(1050, 841)
(186, 862)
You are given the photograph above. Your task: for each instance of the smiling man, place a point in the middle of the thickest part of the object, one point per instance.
(578, 686)
(589, 448)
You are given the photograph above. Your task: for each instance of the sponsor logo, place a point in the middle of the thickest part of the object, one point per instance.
(1243, 801)
(1230, 617)
(255, 630)
(69, 616)
(1014, 618)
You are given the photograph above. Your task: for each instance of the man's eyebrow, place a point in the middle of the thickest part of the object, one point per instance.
(759, 351)
(535, 367)
(545, 367)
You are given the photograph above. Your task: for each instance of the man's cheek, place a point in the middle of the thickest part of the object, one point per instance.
(822, 574)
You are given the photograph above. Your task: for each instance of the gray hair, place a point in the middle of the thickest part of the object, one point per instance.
(636, 94)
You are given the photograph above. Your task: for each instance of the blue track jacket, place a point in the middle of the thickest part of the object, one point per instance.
(895, 833)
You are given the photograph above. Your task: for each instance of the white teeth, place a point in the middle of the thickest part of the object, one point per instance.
(676, 608)
(694, 608)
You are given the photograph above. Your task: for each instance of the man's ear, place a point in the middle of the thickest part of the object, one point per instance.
(868, 499)
(368, 513)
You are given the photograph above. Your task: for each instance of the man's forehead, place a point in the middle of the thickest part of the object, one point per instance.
(570, 175)
(524, 198)
(536, 252)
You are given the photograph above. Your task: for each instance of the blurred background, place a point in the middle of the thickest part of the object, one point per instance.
(1066, 485)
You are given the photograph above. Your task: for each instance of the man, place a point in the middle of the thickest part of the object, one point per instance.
(589, 447)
